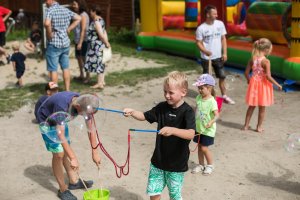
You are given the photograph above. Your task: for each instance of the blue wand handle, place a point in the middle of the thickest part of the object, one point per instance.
(143, 130)
(110, 110)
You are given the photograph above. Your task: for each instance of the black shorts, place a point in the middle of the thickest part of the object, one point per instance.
(19, 74)
(218, 66)
(204, 140)
(82, 51)
(2, 39)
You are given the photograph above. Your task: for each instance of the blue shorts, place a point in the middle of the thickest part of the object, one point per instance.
(55, 56)
(52, 146)
(158, 179)
(204, 140)
(82, 51)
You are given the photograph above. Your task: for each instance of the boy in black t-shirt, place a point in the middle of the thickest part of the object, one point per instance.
(18, 62)
(176, 125)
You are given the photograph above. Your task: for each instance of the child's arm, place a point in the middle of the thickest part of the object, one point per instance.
(266, 65)
(138, 115)
(67, 148)
(187, 134)
(14, 65)
(248, 69)
(216, 117)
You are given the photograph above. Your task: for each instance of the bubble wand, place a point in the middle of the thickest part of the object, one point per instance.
(110, 110)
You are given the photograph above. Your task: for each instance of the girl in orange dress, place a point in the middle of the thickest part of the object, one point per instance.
(260, 88)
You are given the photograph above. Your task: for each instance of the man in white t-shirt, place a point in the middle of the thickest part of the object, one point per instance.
(211, 40)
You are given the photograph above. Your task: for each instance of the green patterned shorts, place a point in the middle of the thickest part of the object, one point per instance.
(158, 179)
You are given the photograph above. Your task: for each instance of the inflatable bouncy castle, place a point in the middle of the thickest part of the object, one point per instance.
(169, 25)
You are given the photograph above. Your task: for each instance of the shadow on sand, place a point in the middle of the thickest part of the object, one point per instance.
(121, 193)
(42, 175)
(280, 182)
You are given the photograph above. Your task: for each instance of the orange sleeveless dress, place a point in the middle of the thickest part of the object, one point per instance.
(260, 90)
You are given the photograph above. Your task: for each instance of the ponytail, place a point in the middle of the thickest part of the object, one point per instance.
(261, 45)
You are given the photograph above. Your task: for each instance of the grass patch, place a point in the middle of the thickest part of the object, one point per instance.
(12, 99)
(18, 35)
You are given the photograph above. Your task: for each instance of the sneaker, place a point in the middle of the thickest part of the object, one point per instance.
(79, 185)
(208, 169)
(66, 195)
(228, 100)
(1, 63)
(197, 169)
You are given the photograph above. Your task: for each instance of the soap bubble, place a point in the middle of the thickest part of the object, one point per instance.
(292, 143)
(87, 105)
(229, 82)
(58, 118)
(55, 127)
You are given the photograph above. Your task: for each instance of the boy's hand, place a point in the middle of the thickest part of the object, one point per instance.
(96, 158)
(128, 112)
(209, 124)
(74, 164)
(166, 131)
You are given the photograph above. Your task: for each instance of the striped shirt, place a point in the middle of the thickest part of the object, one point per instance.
(60, 18)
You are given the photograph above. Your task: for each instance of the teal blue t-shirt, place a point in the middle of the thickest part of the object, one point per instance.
(204, 114)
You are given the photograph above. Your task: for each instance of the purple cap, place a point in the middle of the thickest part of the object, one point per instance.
(205, 79)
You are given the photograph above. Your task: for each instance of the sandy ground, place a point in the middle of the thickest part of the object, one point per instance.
(248, 165)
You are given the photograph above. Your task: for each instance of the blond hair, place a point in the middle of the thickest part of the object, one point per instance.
(15, 45)
(177, 78)
(261, 45)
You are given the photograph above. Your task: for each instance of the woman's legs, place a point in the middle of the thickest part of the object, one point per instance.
(248, 117)
(100, 79)
(261, 117)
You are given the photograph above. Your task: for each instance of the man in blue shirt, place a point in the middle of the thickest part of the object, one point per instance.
(63, 154)
(57, 25)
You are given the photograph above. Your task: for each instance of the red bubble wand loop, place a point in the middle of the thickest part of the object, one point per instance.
(120, 170)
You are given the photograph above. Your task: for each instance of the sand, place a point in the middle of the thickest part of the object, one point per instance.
(248, 165)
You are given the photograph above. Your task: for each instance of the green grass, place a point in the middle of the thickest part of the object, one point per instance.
(18, 35)
(13, 98)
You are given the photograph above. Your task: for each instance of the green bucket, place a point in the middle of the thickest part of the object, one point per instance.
(96, 194)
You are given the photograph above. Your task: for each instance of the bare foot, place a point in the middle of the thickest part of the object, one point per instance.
(86, 80)
(97, 86)
(245, 128)
(259, 129)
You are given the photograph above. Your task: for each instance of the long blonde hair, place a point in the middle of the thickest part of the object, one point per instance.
(261, 45)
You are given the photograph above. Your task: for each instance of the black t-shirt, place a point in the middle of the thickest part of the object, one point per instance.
(19, 58)
(171, 153)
